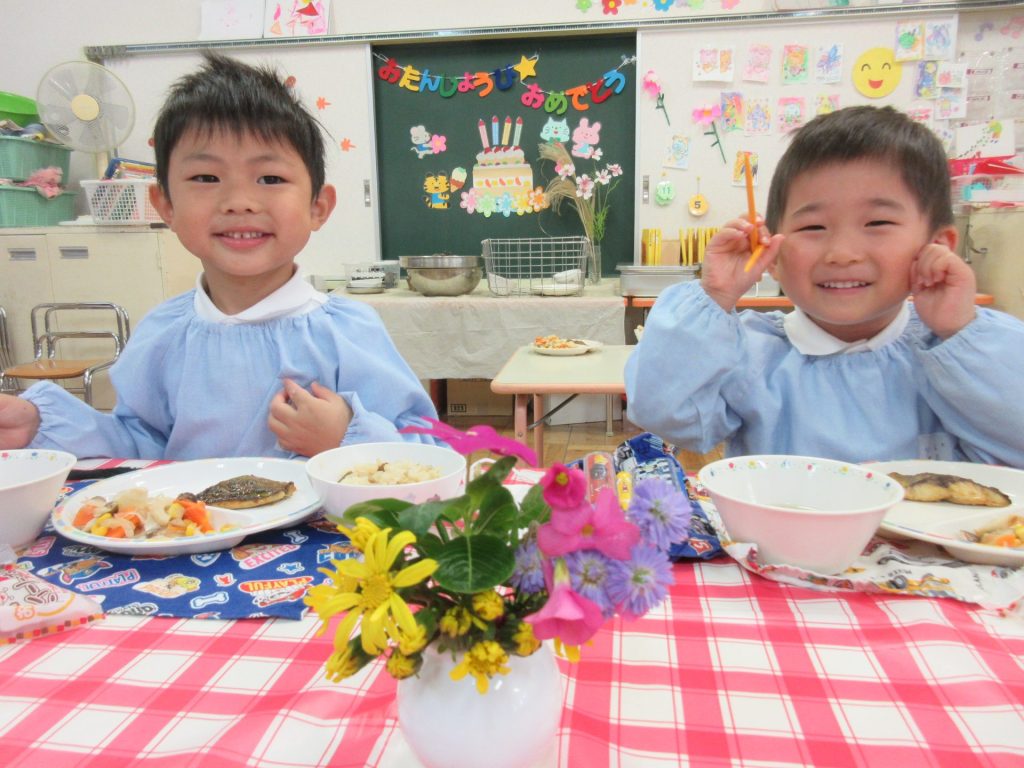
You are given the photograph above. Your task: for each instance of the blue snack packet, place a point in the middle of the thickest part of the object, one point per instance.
(648, 455)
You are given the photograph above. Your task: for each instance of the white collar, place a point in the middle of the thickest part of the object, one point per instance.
(296, 297)
(811, 339)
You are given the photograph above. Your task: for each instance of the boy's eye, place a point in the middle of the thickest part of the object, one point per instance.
(204, 178)
(811, 228)
(879, 223)
(270, 179)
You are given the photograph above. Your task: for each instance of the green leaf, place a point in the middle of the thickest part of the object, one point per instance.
(421, 518)
(494, 476)
(382, 512)
(429, 544)
(498, 513)
(534, 509)
(472, 564)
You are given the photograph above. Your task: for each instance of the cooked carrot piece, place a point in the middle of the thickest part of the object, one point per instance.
(84, 515)
(196, 512)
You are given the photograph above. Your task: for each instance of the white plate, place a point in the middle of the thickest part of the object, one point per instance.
(556, 289)
(582, 347)
(941, 523)
(194, 476)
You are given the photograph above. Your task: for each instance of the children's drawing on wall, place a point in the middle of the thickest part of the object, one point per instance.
(994, 138)
(951, 104)
(732, 111)
(678, 155)
(876, 73)
(231, 19)
(952, 75)
(757, 66)
(437, 188)
(940, 39)
(828, 63)
(757, 117)
(555, 130)
(425, 143)
(921, 114)
(927, 85)
(792, 113)
(739, 176)
(826, 103)
(713, 64)
(585, 138)
(909, 44)
(297, 18)
(794, 64)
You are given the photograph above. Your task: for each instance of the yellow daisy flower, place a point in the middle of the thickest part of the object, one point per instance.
(483, 660)
(362, 532)
(455, 622)
(371, 592)
(401, 666)
(488, 605)
(526, 642)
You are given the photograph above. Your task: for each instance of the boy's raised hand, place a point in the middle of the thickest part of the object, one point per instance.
(19, 422)
(722, 274)
(944, 288)
(307, 423)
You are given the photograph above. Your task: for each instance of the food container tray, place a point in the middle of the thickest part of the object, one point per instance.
(640, 280)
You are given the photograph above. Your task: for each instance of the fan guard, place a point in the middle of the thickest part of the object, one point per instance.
(85, 106)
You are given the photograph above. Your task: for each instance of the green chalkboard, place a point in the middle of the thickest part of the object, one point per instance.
(454, 127)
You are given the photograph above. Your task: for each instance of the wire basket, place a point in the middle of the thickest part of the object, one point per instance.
(120, 201)
(546, 266)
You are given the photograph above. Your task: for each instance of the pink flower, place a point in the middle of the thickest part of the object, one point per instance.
(570, 617)
(478, 438)
(438, 144)
(707, 114)
(584, 187)
(611, 7)
(602, 526)
(651, 85)
(468, 201)
(603, 177)
(565, 170)
(615, 169)
(564, 488)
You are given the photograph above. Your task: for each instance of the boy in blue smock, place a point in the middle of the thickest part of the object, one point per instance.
(860, 208)
(254, 361)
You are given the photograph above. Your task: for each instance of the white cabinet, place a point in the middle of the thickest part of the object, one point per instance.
(993, 244)
(136, 268)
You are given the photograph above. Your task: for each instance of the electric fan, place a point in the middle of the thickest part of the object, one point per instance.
(86, 107)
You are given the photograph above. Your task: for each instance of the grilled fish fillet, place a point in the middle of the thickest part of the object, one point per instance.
(246, 491)
(929, 486)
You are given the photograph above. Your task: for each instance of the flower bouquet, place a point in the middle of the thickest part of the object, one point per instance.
(482, 577)
(588, 195)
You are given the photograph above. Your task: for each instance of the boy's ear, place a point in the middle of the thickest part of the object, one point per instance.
(947, 236)
(161, 203)
(324, 203)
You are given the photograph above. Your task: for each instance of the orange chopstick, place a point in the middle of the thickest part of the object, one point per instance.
(755, 245)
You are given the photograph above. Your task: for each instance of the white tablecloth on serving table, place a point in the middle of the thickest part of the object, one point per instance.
(472, 336)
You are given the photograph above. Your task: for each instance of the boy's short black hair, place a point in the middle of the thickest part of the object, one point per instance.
(868, 133)
(226, 95)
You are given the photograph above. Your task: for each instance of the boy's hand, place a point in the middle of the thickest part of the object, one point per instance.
(722, 275)
(19, 422)
(308, 423)
(944, 289)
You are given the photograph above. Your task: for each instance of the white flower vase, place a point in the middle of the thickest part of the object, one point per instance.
(449, 724)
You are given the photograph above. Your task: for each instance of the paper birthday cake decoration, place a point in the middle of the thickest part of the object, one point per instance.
(501, 166)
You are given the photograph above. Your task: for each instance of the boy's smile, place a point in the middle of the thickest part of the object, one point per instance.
(852, 233)
(245, 208)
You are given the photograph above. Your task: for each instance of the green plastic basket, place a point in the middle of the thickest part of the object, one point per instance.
(20, 158)
(25, 207)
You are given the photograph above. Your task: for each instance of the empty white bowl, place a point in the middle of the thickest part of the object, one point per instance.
(30, 482)
(325, 469)
(816, 514)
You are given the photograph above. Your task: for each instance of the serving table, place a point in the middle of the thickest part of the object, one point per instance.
(471, 336)
(732, 670)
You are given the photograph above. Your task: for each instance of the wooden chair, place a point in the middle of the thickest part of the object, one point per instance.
(9, 386)
(54, 325)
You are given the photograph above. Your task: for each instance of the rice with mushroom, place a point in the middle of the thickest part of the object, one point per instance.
(389, 473)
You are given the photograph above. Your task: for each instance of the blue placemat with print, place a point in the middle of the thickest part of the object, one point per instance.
(267, 574)
(648, 455)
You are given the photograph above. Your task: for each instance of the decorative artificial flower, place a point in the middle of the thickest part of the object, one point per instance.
(651, 84)
(611, 7)
(587, 194)
(707, 114)
(438, 144)
(469, 201)
(482, 577)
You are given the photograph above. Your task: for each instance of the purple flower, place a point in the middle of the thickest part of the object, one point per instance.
(661, 512)
(528, 576)
(478, 438)
(640, 583)
(588, 574)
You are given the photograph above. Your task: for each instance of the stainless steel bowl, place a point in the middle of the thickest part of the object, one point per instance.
(442, 274)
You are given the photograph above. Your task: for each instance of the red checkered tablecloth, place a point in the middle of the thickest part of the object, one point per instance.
(734, 670)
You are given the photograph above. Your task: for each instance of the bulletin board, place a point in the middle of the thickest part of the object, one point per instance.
(456, 167)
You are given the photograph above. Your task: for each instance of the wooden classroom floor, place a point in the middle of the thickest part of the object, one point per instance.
(566, 442)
